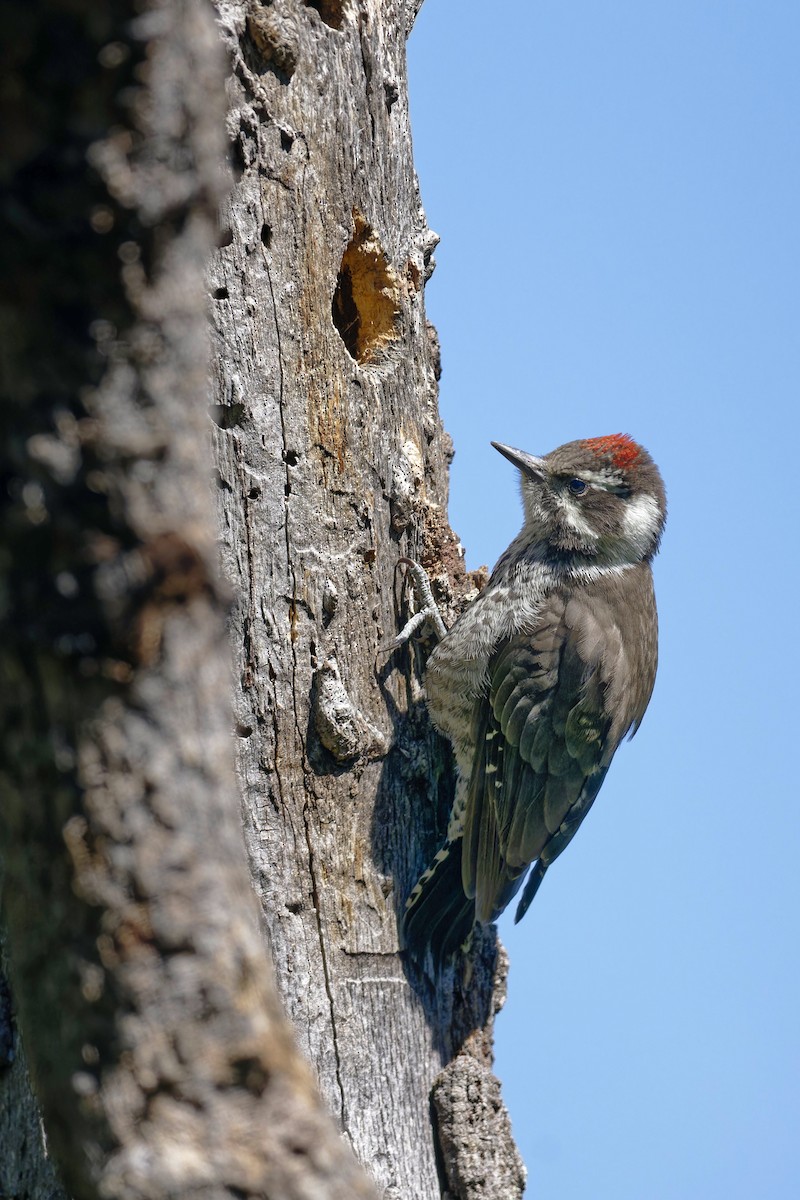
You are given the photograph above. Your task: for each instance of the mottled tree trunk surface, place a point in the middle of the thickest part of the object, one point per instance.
(137, 964)
(141, 986)
(333, 464)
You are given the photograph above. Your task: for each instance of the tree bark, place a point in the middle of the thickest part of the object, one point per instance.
(333, 464)
(161, 1061)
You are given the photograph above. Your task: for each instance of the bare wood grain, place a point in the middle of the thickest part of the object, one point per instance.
(333, 464)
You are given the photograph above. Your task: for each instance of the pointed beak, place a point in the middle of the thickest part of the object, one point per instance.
(529, 464)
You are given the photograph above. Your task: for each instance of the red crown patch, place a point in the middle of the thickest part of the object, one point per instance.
(619, 447)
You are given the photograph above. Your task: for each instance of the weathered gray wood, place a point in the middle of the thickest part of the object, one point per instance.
(332, 464)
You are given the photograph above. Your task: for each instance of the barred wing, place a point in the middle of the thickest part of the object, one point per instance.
(560, 699)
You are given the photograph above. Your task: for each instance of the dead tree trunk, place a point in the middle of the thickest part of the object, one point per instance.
(333, 464)
(161, 1062)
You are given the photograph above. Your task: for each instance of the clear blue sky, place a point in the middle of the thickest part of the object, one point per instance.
(617, 188)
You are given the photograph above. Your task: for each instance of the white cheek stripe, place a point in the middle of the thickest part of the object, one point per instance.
(641, 520)
(575, 518)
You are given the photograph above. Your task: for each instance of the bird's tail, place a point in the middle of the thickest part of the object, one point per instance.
(438, 919)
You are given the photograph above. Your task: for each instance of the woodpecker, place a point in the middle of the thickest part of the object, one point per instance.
(539, 680)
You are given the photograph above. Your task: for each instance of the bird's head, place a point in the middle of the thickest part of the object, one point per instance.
(600, 500)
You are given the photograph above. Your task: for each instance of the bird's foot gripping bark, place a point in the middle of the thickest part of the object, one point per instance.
(428, 613)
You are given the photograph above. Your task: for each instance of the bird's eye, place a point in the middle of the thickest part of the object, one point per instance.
(577, 486)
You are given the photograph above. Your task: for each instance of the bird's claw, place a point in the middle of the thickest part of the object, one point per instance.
(428, 613)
